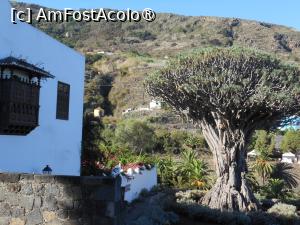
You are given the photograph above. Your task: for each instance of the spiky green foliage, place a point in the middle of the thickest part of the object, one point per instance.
(286, 173)
(247, 88)
(187, 172)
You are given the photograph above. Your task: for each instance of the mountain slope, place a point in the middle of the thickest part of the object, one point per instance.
(135, 49)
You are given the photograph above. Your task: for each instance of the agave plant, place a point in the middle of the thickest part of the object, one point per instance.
(193, 170)
(166, 169)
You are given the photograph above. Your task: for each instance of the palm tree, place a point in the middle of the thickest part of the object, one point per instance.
(263, 167)
(284, 171)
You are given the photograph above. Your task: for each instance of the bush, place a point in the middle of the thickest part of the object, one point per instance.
(275, 189)
(136, 135)
(291, 141)
(281, 209)
(92, 58)
(166, 171)
(170, 141)
(144, 35)
(275, 216)
(205, 214)
(196, 142)
(264, 143)
(188, 172)
(189, 196)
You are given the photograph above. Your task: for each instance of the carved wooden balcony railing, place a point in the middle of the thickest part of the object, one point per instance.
(19, 97)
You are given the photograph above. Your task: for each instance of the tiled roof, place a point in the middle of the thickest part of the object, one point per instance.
(23, 65)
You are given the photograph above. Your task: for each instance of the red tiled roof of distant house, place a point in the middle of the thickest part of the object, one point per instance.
(132, 166)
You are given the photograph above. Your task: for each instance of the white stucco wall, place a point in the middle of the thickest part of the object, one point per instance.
(54, 142)
(147, 179)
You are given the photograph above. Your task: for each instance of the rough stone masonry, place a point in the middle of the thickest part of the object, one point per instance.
(27, 199)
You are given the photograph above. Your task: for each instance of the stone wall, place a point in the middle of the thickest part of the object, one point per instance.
(67, 200)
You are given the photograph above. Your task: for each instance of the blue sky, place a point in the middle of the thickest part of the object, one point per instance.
(285, 12)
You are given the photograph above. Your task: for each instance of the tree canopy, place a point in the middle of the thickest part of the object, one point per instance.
(243, 87)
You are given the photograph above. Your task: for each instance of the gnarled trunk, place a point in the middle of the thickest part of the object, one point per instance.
(230, 191)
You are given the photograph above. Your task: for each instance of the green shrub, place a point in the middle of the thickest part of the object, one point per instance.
(136, 135)
(193, 170)
(196, 141)
(144, 35)
(166, 170)
(275, 189)
(264, 143)
(187, 172)
(189, 196)
(291, 141)
(205, 214)
(92, 58)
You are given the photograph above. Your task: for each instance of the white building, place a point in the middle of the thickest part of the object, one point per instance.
(98, 112)
(288, 158)
(138, 180)
(155, 104)
(39, 126)
(252, 155)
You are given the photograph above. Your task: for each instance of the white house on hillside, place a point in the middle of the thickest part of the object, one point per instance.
(41, 98)
(155, 104)
(288, 158)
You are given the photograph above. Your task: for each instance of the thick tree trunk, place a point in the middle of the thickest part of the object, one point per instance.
(230, 191)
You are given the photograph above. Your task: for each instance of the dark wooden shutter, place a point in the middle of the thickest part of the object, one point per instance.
(63, 101)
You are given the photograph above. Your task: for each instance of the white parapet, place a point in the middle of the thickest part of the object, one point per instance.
(137, 180)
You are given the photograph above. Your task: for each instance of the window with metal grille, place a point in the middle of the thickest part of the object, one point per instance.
(63, 101)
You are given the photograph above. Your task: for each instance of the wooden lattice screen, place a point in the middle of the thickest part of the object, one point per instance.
(19, 96)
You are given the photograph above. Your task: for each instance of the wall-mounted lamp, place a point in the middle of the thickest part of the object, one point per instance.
(47, 170)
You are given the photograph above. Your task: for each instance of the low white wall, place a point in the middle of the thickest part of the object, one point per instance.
(147, 179)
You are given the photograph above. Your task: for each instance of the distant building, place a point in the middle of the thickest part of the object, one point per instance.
(142, 109)
(288, 158)
(127, 111)
(252, 155)
(155, 104)
(98, 112)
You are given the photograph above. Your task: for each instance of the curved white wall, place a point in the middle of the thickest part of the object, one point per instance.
(147, 179)
(54, 142)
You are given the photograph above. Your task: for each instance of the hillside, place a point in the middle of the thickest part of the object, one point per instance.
(119, 55)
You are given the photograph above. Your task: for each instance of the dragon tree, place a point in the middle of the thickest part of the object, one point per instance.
(229, 93)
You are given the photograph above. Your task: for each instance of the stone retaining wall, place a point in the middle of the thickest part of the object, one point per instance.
(67, 200)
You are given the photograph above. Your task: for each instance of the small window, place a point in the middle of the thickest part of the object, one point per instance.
(63, 101)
